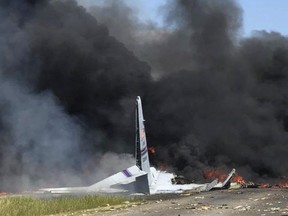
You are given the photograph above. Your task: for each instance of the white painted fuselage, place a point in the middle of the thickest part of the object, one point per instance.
(140, 178)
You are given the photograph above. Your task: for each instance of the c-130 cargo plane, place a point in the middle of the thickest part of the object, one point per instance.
(141, 177)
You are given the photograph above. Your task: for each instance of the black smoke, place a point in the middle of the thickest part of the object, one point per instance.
(66, 90)
(228, 108)
(219, 98)
(69, 79)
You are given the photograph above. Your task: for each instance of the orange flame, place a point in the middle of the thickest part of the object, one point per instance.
(239, 179)
(264, 185)
(221, 176)
(284, 182)
(3, 193)
(151, 150)
(215, 173)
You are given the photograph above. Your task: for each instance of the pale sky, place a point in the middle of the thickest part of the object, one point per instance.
(269, 15)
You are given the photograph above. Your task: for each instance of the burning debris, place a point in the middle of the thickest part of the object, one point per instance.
(141, 178)
(68, 78)
(284, 183)
(237, 181)
(215, 173)
(151, 150)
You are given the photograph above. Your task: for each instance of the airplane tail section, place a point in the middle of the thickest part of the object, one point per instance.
(141, 178)
(142, 155)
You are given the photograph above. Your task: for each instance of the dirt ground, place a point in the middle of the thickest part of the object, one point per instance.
(262, 202)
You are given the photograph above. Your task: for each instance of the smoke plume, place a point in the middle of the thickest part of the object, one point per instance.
(220, 98)
(65, 85)
(69, 77)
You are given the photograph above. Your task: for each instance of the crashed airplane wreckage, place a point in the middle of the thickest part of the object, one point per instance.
(141, 178)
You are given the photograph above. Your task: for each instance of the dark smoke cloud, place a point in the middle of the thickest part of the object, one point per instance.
(220, 98)
(69, 79)
(65, 88)
(177, 45)
(228, 108)
(126, 27)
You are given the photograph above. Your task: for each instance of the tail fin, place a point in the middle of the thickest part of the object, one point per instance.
(142, 156)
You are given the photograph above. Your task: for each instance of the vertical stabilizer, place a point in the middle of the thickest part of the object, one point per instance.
(142, 156)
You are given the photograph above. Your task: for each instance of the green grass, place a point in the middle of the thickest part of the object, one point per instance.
(29, 206)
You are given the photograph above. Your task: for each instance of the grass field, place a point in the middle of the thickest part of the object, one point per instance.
(29, 206)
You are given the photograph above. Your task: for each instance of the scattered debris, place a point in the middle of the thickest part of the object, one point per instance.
(199, 197)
